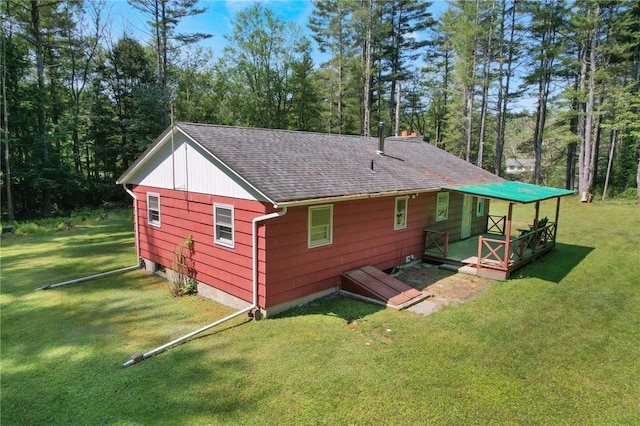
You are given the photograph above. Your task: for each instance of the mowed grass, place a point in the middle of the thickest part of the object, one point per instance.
(557, 344)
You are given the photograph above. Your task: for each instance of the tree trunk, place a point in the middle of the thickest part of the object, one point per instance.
(486, 76)
(571, 166)
(366, 125)
(638, 181)
(581, 124)
(41, 137)
(165, 65)
(469, 89)
(587, 155)
(397, 129)
(596, 148)
(609, 164)
(570, 172)
(538, 136)
(467, 93)
(497, 166)
(340, 99)
(503, 91)
(485, 103)
(5, 120)
(441, 125)
(157, 19)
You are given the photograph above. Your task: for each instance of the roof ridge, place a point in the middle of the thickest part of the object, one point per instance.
(297, 132)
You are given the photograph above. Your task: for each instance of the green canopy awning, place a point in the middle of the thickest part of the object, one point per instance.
(515, 192)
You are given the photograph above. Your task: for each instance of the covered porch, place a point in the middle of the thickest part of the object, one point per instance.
(503, 247)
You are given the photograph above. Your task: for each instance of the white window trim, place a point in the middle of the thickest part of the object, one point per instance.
(443, 195)
(326, 241)
(480, 207)
(223, 241)
(156, 223)
(403, 225)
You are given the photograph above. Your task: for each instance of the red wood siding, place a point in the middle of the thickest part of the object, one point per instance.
(363, 234)
(183, 214)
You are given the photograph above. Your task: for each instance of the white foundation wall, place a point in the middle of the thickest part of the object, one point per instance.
(224, 298)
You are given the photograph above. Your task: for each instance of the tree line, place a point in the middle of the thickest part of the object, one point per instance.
(548, 80)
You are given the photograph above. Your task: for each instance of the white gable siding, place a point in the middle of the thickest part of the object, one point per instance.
(191, 170)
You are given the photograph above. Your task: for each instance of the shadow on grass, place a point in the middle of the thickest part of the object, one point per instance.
(36, 265)
(73, 344)
(171, 391)
(556, 265)
(334, 305)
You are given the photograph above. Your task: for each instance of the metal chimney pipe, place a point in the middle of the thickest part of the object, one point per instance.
(381, 137)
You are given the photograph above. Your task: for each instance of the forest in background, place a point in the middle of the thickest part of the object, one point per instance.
(548, 80)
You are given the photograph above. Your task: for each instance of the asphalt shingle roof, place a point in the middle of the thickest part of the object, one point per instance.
(289, 165)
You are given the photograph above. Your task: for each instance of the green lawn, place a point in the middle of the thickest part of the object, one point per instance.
(558, 344)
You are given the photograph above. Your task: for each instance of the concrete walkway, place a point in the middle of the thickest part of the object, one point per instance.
(445, 287)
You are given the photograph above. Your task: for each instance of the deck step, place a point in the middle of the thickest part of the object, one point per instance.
(463, 269)
(372, 283)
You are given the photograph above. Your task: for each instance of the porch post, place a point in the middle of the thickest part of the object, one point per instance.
(507, 240)
(555, 231)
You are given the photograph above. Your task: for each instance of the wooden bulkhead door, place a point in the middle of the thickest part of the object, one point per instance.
(465, 229)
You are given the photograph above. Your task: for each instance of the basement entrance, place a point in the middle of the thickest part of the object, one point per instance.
(371, 284)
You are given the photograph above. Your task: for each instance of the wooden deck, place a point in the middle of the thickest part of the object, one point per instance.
(371, 283)
(487, 253)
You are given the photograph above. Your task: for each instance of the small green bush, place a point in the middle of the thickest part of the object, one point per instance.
(41, 226)
(629, 194)
(29, 228)
(64, 223)
(183, 281)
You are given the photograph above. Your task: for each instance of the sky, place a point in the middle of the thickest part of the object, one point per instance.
(218, 19)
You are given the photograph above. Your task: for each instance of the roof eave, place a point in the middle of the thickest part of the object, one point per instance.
(493, 196)
(351, 197)
(141, 160)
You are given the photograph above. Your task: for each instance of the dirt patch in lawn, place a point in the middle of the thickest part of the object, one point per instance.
(445, 287)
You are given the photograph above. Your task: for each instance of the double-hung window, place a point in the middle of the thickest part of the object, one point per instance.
(442, 206)
(401, 213)
(223, 225)
(153, 209)
(320, 225)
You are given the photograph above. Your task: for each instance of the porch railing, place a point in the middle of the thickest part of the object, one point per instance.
(496, 224)
(531, 242)
(436, 242)
(491, 252)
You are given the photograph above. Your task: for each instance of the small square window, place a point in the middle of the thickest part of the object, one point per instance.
(153, 209)
(442, 206)
(223, 225)
(320, 226)
(401, 213)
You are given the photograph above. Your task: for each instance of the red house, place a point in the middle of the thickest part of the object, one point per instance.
(277, 216)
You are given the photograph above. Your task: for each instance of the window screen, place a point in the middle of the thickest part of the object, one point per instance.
(401, 213)
(320, 225)
(442, 206)
(153, 209)
(223, 224)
